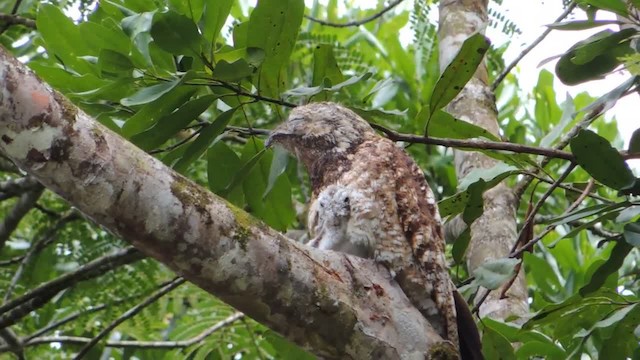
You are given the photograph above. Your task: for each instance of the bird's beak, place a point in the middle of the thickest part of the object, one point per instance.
(277, 134)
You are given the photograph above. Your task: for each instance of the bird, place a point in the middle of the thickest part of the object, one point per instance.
(370, 199)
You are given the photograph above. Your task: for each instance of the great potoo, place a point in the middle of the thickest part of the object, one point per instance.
(370, 199)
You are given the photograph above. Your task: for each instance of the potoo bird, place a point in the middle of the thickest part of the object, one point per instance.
(370, 199)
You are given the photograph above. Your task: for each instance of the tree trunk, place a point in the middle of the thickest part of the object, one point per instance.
(494, 233)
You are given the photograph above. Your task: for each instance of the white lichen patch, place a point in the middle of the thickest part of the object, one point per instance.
(163, 206)
(18, 144)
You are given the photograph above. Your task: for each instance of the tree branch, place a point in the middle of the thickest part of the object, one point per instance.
(129, 314)
(9, 19)
(356, 22)
(10, 222)
(475, 144)
(135, 344)
(14, 310)
(36, 247)
(535, 43)
(333, 304)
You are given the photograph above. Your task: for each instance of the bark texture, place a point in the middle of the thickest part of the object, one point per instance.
(493, 234)
(335, 305)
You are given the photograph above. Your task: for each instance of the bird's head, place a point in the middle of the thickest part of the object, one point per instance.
(318, 129)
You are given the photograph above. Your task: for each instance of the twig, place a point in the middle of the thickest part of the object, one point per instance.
(48, 237)
(136, 344)
(178, 144)
(34, 299)
(521, 186)
(529, 244)
(475, 144)
(535, 43)
(19, 210)
(259, 97)
(91, 310)
(129, 314)
(539, 204)
(18, 186)
(9, 20)
(356, 22)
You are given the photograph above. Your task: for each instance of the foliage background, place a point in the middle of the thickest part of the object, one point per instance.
(196, 83)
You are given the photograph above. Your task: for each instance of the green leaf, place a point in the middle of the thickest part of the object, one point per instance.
(609, 267)
(112, 62)
(568, 112)
(594, 57)
(632, 234)
(581, 24)
(617, 6)
(273, 27)
(286, 350)
(276, 208)
(207, 136)
(151, 112)
(169, 125)
(492, 274)
(602, 161)
(585, 212)
(310, 91)
(622, 340)
(453, 204)
(495, 346)
(596, 44)
(176, 33)
(540, 350)
(325, 66)
(634, 142)
(222, 165)
(153, 92)
(278, 166)
(459, 71)
(214, 16)
(243, 173)
(460, 245)
(442, 124)
(232, 72)
(62, 37)
(492, 176)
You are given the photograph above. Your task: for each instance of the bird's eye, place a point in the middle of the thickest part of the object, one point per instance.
(346, 199)
(321, 205)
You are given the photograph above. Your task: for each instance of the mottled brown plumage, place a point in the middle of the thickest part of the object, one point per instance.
(370, 199)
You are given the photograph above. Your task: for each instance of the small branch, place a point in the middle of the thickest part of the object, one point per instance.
(136, 344)
(521, 186)
(91, 310)
(18, 186)
(539, 204)
(356, 22)
(535, 43)
(529, 244)
(44, 241)
(20, 209)
(9, 20)
(475, 144)
(129, 314)
(36, 298)
(258, 97)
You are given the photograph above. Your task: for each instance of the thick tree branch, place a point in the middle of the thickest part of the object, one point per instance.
(333, 304)
(356, 22)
